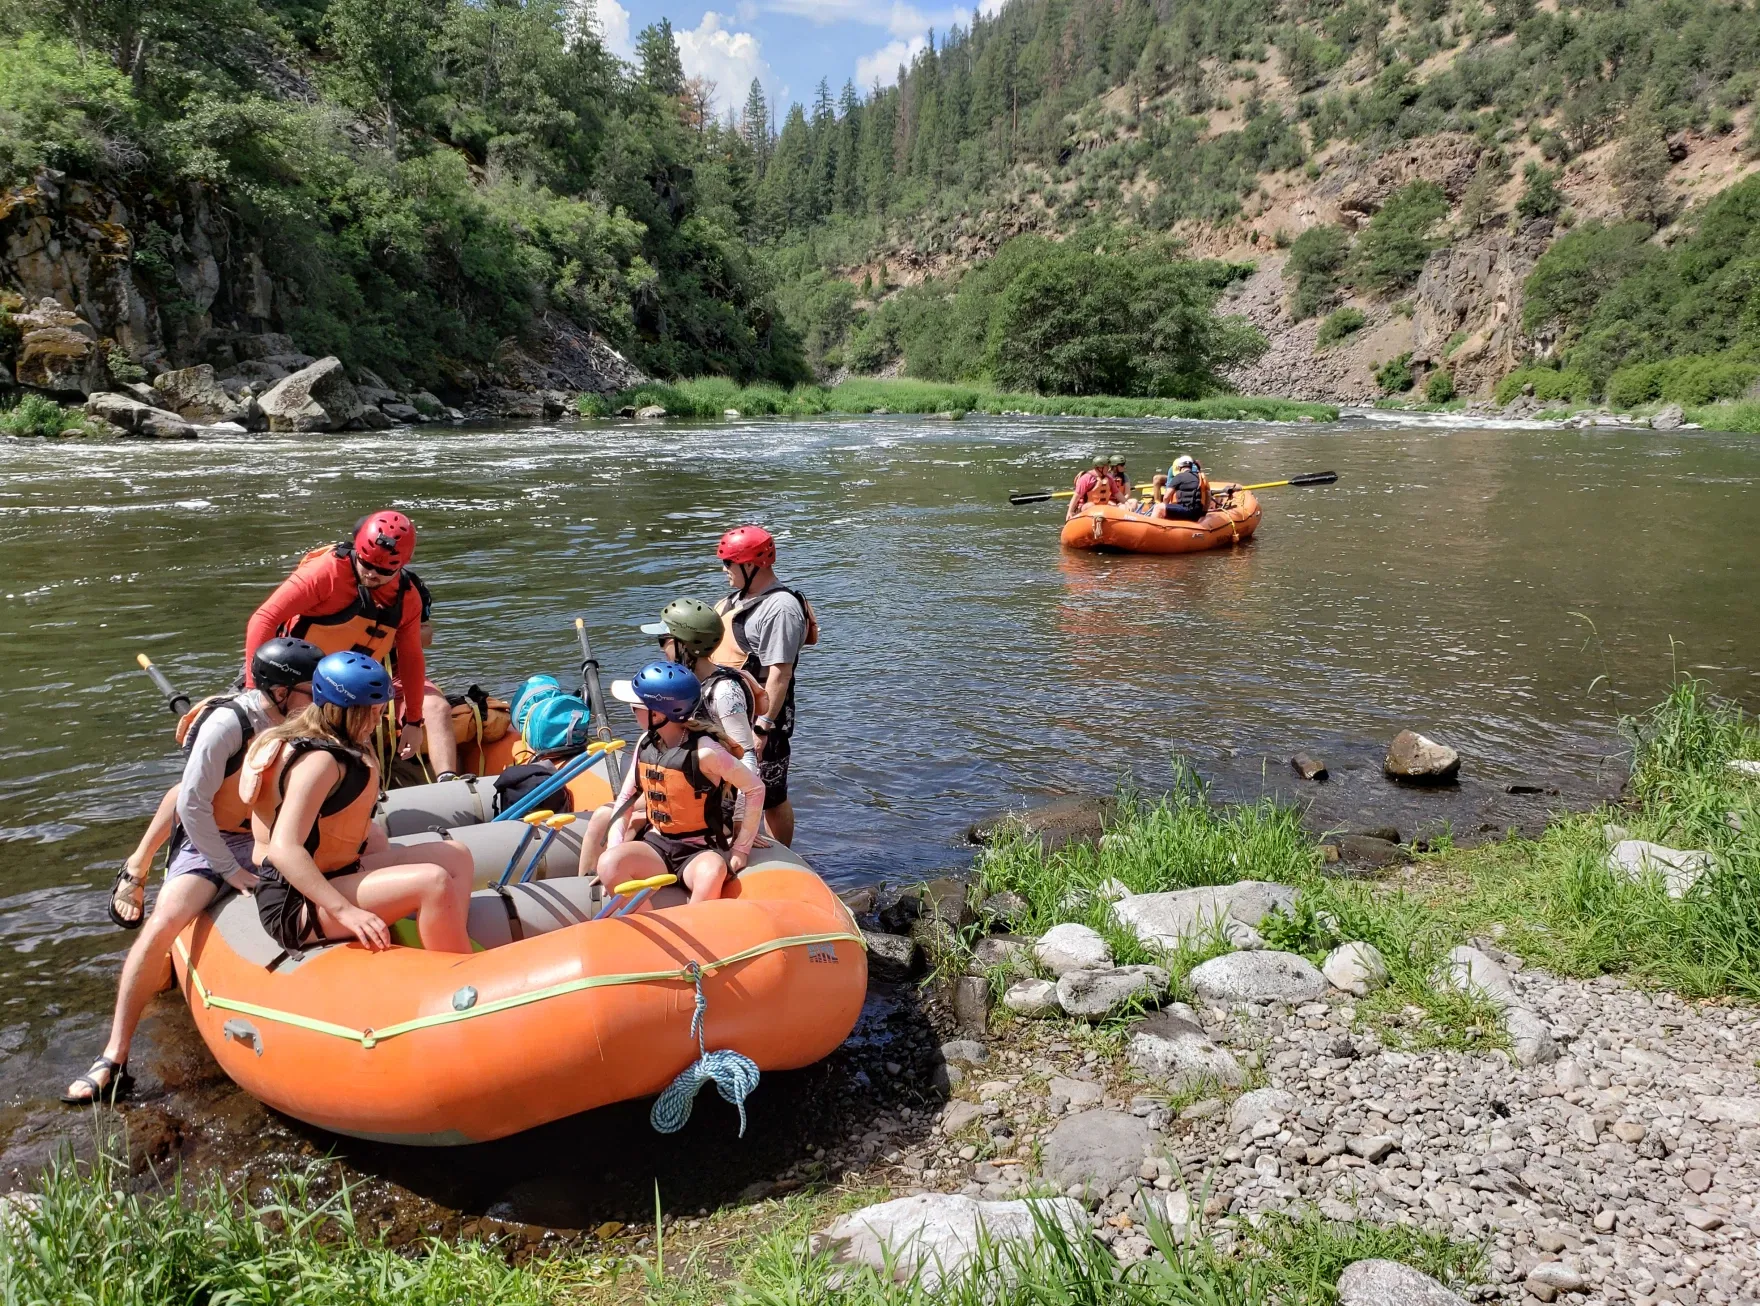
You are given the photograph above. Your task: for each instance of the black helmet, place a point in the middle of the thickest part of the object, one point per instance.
(284, 662)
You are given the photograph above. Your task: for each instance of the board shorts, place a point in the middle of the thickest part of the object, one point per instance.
(773, 768)
(287, 914)
(676, 853)
(187, 859)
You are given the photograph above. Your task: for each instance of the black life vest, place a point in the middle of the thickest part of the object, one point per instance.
(745, 687)
(1188, 492)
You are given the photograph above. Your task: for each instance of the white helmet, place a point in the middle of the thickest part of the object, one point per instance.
(1184, 461)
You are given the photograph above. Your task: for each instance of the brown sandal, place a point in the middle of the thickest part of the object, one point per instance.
(116, 1083)
(137, 898)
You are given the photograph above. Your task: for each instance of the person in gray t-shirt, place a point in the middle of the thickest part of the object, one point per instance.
(769, 624)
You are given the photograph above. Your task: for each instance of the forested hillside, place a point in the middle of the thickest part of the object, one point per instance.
(1380, 189)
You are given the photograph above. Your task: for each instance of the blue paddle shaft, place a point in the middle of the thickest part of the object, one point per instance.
(530, 802)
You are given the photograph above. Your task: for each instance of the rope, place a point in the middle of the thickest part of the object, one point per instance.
(734, 1075)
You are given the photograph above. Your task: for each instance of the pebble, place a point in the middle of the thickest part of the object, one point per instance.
(1064, 948)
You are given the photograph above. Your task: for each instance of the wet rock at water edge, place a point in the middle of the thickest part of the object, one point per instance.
(934, 1236)
(1002, 950)
(1067, 947)
(1418, 760)
(1669, 419)
(124, 412)
(1389, 1283)
(1257, 977)
(1097, 1150)
(649, 413)
(1678, 868)
(892, 957)
(1366, 851)
(1034, 997)
(1061, 821)
(1183, 916)
(971, 1004)
(1097, 994)
(315, 398)
(1309, 767)
(158, 425)
(196, 393)
(1357, 968)
(1172, 1047)
(402, 414)
(948, 899)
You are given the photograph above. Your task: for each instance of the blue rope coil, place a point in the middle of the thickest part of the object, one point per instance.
(733, 1075)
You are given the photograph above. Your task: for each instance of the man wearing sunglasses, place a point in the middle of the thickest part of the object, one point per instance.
(356, 597)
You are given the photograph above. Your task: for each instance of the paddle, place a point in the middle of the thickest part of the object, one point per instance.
(597, 751)
(595, 697)
(532, 821)
(1307, 478)
(178, 703)
(640, 888)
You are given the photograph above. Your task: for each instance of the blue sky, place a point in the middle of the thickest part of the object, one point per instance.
(787, 44)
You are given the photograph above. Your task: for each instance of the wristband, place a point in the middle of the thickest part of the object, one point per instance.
(764, 723)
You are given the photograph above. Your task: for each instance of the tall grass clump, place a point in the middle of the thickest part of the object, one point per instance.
(39, 415)
(1739, 415)
(1283, 1261)
(81, 1237)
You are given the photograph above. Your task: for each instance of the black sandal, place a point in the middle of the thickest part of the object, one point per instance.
(110, 1091)
(125, 876)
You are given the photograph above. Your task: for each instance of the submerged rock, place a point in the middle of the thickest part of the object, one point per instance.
(1061, 821)
(1412, 757)
(1309, 767)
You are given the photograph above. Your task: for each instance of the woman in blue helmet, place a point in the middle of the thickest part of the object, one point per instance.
(327, 872)
(682, 790)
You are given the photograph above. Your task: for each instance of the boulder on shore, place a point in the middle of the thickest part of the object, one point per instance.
(1679, 868)
(1258, 977)
(319, 397)
(1172, 1047)
(195, 393)
(1067, 947)
(1099, 1150)
(1413, 758)
(1097, 994)
(124, 412)
(933, 1237)
(1185, 916)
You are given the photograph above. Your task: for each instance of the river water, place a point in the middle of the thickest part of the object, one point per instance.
(1510, 591)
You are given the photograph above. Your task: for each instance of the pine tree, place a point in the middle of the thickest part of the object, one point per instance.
(657, 54)
(755, 124)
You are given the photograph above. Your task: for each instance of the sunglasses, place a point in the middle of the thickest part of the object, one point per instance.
(371, 570)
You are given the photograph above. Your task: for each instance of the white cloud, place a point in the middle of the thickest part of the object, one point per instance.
(729, 59)
(612, 21)
(898, 18)
(881, 67)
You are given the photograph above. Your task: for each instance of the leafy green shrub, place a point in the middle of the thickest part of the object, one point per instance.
(1693, 379)
(1741, 416)
(1439, 389)
(38, 415)
(59, 107)
(1540, 197)
(1339, 324)
(1395, 375)
(1316, 257)
(1392, 251)
(1551, 385)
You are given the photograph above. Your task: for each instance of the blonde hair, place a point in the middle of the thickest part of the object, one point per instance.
(351, 727)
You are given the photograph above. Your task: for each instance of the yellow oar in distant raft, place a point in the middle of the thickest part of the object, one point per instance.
(1306, 478)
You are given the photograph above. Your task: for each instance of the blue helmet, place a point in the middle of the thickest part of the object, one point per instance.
(350, 680)
(667, 688)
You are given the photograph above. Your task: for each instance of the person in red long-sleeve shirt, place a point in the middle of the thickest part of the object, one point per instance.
(355, 597)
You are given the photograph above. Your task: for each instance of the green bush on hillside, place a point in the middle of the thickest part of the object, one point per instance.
(1551, 385)
(1395, 375)
(59, 108)
(1392, 251)
(1339, 324)
(1439, 389)
(1316, 258)
(1692, 379)
(1540, 197)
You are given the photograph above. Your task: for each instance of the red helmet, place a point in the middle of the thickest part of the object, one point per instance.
(385, 540)
(750, 545)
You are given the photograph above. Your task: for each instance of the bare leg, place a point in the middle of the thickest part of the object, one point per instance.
(704, 875)
(593, 842)
(131, 899)
(145, 970)
(430, 880)
(780, 819)
(634, 860)
(437, 731)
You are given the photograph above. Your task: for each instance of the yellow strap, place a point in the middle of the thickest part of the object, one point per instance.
(367, 1038)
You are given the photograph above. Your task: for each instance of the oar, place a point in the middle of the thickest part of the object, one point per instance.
(178, 703)
(532, 821)
(641, 889)
(554, 824)
(596, 702)
(1307, 478)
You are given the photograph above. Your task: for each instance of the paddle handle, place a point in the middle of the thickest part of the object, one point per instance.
(178, 703)
(595, 696)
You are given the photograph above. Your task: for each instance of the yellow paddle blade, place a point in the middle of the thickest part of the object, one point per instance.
(535, 818)
(145, 661)
(652, 882)
(559, 820)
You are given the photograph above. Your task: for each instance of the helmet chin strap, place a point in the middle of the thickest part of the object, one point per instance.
(748, 573)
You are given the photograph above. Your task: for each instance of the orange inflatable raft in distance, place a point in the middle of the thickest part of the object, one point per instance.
(558, 1014)
(1117, 528)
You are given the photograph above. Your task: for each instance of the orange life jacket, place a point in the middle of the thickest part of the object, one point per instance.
(362, 625)
(1100, 492)
(682, 802)
(232, 815)
(339, 835)
(730, 652)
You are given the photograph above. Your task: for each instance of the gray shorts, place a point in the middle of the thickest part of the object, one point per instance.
(190, 860)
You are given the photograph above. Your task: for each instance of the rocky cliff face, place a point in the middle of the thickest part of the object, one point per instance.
(102, 288)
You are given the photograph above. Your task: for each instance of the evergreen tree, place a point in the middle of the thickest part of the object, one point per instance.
(657, 55)
(755, 124)
(385, 50)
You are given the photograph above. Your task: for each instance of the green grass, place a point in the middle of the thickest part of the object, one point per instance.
(87, 1239)
(1735, 415)
(38, 415)
(710, 397)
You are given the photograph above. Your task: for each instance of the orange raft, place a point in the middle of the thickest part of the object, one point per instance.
(1113, 527)
(558, 1014)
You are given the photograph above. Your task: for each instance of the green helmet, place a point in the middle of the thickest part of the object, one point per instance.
(1117, 460)
(694, 624)
(1100, 462)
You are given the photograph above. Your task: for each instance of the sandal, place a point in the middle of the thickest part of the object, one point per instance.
(137, 898)
(114, 1086)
